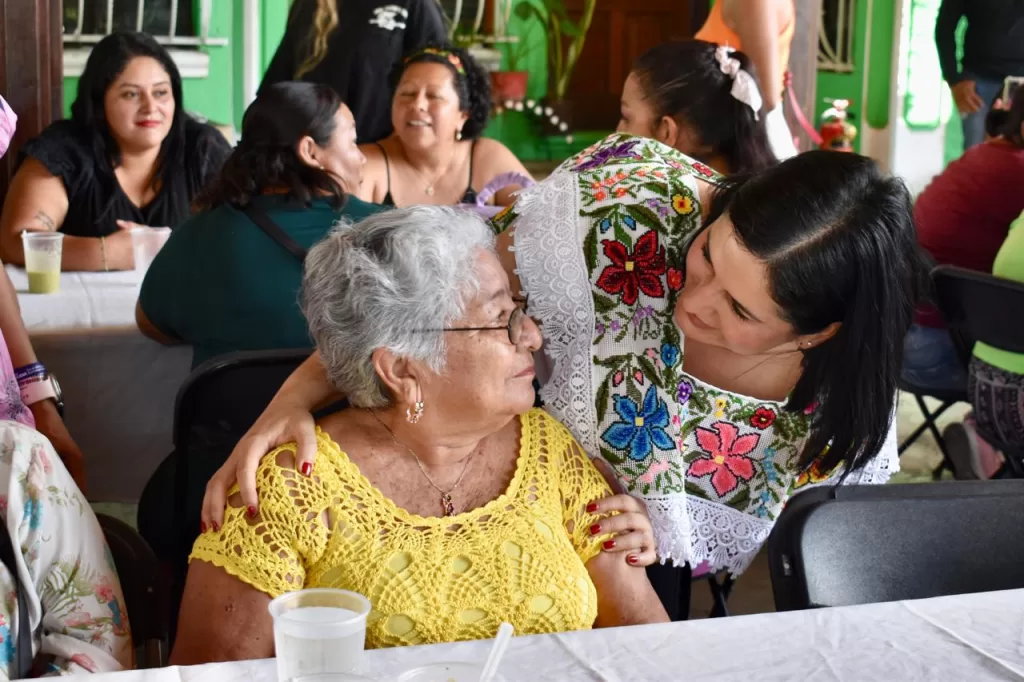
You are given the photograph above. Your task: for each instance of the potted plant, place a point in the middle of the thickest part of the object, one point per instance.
(565, 39)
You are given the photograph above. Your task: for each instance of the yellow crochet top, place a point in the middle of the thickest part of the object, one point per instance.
(519, 558)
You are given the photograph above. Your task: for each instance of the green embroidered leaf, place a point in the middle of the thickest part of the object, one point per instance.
(590, 250)
(632, 391)
(622, 236)
(611, 456)
(782, 428)
(741, 499)
(602, 400)
(648, 368)
(695, 490)
(644, 216)
(603, 304)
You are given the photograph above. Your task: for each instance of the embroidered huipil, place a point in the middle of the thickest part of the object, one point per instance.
(600, 248)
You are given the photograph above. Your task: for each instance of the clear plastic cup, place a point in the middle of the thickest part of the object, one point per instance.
(446, 672)
(334, 677)
(146, 243)
(319, 631)
(42, 260)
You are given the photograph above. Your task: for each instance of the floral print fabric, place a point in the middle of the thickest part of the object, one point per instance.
(73, 595)
(715, 468)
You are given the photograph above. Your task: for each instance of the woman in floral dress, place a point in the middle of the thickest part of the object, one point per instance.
(792, 290)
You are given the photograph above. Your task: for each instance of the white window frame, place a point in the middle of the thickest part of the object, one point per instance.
(193, 63)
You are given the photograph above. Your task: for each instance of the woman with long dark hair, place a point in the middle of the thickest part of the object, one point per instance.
(702, 100)
(129, 156)
(226, 280)
(352, 47)
(719, 343)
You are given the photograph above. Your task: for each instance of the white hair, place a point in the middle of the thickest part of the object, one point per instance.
(383, 282)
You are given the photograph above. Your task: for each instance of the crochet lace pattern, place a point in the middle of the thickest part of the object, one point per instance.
(519, 558)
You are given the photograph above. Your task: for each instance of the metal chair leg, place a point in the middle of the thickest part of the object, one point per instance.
(720, 594)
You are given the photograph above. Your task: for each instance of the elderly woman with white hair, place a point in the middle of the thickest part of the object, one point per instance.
(441, 495)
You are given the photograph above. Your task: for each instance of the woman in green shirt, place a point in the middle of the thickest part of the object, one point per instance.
(228, 278)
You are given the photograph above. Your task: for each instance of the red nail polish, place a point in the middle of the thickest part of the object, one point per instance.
(592, 507)
(307, 468)
(631, 559)
(595, 529)
(252, 511)
(216, 527)
(202, 527)
(609, 544)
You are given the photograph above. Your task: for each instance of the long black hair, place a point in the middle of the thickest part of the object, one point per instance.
(472, 82)
(266, 157)
(106, 62)
(683, 80)
(837, 237)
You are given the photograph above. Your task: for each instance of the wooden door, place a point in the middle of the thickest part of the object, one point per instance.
(31, 71)
(620, 32)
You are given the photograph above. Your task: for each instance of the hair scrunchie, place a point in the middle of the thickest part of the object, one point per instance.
(744, 87)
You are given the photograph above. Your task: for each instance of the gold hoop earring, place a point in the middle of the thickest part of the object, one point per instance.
(413, 415)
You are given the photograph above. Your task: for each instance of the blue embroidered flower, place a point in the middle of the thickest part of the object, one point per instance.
(669, 354)
(605, 225)
(630, 222)
(640, 431)
(33, 512)
(768, 464)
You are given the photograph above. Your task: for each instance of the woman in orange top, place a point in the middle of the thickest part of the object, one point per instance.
(763, 29)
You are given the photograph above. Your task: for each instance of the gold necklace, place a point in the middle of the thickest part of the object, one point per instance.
(447, 506)
(429, 188)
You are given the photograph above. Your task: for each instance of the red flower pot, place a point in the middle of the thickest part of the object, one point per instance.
(506, 85)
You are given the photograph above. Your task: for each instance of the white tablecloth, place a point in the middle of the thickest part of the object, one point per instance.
(119, 387)
(966, 638)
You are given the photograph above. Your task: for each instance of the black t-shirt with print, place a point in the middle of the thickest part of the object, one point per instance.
(371, 37)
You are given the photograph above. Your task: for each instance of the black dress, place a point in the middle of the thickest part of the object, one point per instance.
(96, 200)
(371, 37)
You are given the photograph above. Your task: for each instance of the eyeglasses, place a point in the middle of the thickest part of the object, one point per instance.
(516, 323)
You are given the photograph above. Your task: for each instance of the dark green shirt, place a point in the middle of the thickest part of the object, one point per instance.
(221, 285)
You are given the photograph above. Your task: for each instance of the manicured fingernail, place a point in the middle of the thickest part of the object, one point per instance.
(216, 527)
(252, 511)
(592, 507)
(202, 527)
(609, 544)
(307, 468)
(631, 559)
(595, 529)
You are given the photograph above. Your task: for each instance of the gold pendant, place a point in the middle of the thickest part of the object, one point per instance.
(429, 191)
(447, 505)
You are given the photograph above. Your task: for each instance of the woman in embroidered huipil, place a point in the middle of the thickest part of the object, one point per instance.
(792, 291)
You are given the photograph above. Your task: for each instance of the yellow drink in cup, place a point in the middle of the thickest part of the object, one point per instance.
(42, 260)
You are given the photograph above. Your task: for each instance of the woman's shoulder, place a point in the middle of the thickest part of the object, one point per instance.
(552, 431)
(63, 148)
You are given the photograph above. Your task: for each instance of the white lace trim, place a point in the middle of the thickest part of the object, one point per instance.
(881, 467)
(553, 274)
(724, 538)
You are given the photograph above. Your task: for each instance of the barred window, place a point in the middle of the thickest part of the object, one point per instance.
(835, 35)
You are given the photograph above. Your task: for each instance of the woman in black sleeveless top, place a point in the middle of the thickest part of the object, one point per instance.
(129, 156)
(441, 103)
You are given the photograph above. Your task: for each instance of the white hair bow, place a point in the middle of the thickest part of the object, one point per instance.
(744, 87)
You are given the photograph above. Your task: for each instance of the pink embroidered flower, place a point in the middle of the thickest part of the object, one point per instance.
(641, 173)
(639, 376)
(657, 467)
(725, 461)
(703, 170)
(617, 378)
(105, 592)
(78, 619)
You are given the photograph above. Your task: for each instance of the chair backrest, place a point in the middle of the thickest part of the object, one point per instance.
(845, 545)
(145, 590)
(222, 397)
(978, 307)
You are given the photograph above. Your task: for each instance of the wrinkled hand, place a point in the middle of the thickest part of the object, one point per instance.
(281, 423)
(965, 93)
(50, 424)
(630, 527)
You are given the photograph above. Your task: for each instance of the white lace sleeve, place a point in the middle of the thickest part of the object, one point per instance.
(882, 467)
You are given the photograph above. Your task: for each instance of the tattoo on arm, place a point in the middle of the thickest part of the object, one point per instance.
(46, 220)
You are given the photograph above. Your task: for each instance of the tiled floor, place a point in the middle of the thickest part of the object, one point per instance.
(753, 591)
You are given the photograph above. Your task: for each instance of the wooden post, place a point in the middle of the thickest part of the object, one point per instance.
(803, 64)
(31, 71)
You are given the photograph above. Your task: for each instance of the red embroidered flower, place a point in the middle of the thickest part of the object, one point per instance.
(675, 279)
(631, 273)
(641, 173)
(600, 195)
(762, 418)
(725, 460)
(703, 170)
(620, 192)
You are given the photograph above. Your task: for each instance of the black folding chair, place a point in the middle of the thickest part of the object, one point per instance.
(216, 405)
(980, 307)
(845, 545)
(145, 591)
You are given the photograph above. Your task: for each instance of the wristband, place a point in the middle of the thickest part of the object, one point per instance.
(37, 391)
(35, 369)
